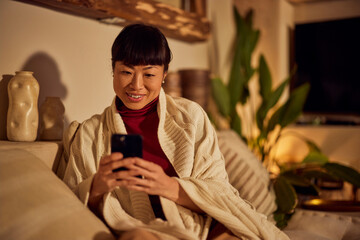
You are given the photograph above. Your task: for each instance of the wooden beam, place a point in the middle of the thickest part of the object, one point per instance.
(306, 1)
(173, 22)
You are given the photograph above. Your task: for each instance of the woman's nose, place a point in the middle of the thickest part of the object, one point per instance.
(137, 82)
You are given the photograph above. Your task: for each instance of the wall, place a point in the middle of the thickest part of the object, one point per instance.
(220, 14)
(326, 11)
(70, 56)
(273, 18)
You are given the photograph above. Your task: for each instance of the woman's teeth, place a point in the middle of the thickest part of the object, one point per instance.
(134, 96)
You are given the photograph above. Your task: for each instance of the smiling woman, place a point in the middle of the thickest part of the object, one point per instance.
(184, 185)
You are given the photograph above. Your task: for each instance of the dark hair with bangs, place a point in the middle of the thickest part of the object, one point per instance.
(140, 44)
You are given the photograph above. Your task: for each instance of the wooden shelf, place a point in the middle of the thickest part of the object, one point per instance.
(306, 1)
(173, 22)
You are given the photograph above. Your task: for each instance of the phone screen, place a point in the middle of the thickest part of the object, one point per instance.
(129, 145)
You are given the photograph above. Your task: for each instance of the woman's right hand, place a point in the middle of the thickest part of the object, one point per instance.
(105, 180)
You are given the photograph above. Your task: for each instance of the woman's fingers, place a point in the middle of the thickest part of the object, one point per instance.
(105, 179)
(155, 180)
(150, 166)
(145, 168)
(110, 158)
(114, 161)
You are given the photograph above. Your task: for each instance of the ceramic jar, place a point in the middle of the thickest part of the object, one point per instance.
(23, 115)
(51, 119)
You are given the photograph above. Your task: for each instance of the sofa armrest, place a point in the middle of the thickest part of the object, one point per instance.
(49, 152)
(36, 204)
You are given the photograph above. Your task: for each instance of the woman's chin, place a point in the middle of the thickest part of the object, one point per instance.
(135, 105)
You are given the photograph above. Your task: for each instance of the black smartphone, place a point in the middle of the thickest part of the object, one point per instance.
(129, 145)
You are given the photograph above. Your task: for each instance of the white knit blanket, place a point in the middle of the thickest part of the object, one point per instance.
(190, 143)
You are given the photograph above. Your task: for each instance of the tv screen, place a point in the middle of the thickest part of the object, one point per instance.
(328, 57)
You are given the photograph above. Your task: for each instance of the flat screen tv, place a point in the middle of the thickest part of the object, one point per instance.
(328, 57)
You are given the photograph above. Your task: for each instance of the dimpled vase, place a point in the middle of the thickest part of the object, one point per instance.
(23, 114)
(51, 119)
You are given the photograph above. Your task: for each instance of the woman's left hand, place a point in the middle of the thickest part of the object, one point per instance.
(154, 181)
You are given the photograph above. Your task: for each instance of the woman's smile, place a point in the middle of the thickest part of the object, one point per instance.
(135, 97)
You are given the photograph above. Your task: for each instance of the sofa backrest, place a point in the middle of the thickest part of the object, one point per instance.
(246, 172)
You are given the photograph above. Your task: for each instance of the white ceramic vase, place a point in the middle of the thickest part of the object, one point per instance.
(23, 114)
(51, 119)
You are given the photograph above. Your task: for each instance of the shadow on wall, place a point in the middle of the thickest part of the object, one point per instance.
(46, 73)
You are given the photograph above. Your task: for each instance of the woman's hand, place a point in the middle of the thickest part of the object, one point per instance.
(154, 181)
(105, 180)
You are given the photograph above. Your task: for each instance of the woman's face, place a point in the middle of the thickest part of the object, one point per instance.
(138, 85)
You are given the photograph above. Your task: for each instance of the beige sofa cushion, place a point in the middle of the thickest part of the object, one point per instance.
(48, 152)
(35, 204)
(319, 225)
(246, 172)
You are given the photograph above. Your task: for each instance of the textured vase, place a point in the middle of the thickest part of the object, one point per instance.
(23, 114)
(51, 119)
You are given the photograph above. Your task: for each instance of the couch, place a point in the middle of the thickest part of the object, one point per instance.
(36, 204)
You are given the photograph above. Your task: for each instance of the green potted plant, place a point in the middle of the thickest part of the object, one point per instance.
(271, 118)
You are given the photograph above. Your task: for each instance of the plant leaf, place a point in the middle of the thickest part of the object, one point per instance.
(311, 145)
(286, 198)
(294, 105)
(221, 96)
(316, 157)
(268, 104)
(239, 21)
(275, 96)
(274, 120)
(319, 174)
(251, 39)
(264, 79)
(241, 70)
(249, 46)
(237, 79)
(236, 123)
(343, 172)
(249, 17)
(281, 219)
(254, 38)
(295, 179)
(260, 116)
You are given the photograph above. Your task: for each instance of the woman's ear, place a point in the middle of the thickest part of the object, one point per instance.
(165, 74)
